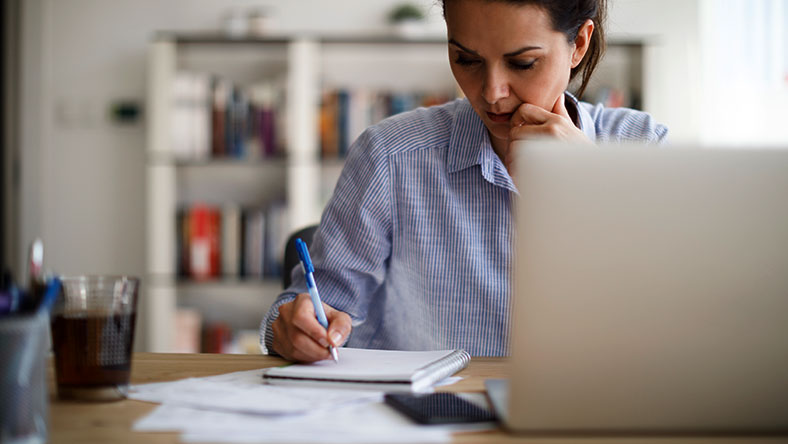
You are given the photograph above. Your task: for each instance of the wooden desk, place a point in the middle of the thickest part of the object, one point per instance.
(78, 422)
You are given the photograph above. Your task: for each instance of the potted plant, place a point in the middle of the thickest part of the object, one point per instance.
(407, 20)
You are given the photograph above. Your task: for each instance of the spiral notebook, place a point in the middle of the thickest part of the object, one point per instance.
(384, 370)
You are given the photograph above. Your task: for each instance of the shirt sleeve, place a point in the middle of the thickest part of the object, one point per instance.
(352, 244)
(266, 333)
(625, 125)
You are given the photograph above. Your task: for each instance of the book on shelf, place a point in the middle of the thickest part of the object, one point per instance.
(230, 241)
(345, 113)
(181, 242)
(238, 118)
(216, 338)
(188, 326)
(204, 242)
(190, 126)
(254, 237)
(245, 342)
(328, 125)
(194, 335)
(263, 98)
(343, 121)
(219, 95)
(215, 118)
(276, 234)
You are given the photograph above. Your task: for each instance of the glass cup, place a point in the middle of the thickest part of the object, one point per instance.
(92, 336)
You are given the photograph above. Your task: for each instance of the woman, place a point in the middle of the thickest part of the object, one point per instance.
(414, 248)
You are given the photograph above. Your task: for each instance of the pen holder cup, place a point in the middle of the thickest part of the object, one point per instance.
(24, 408)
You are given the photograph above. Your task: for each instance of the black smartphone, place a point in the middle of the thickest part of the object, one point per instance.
(438, 408)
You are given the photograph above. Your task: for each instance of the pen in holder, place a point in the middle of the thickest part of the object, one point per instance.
(24, 409)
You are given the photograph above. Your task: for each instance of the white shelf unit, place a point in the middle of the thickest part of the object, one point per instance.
(308, 64)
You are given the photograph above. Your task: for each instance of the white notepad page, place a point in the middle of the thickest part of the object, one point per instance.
(371, 365)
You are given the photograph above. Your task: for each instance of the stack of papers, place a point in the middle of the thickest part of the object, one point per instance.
(244, 392)
(238, 407)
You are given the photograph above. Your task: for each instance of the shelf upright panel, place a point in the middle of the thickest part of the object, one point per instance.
(303, 96)
(159, 292)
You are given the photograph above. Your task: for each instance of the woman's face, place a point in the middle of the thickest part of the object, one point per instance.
(503, 55)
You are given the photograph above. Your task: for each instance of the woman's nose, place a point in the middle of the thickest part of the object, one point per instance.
(496, 86)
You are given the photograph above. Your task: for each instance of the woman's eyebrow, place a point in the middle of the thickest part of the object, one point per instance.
(457, 44)
(508, 54)
(521, 50)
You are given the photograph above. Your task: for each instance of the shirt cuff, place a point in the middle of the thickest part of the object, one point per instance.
(266, 332)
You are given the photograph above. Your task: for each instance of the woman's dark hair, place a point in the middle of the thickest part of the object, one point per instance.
(568, 16)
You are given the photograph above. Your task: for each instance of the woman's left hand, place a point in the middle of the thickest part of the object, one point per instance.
(532, 122)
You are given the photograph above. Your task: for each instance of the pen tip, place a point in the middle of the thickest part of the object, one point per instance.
(334, 354)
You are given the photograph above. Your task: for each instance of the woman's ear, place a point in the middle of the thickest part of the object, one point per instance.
(582, 42)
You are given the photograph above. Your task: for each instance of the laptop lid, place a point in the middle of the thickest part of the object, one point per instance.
(651, 290)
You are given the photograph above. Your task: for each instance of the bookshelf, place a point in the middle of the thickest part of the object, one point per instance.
(619, 79)
(294, 74)
(184, 170)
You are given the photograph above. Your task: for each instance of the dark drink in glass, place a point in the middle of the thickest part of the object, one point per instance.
(93, 335)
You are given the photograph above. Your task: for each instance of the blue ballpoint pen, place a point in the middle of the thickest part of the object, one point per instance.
(308, 268)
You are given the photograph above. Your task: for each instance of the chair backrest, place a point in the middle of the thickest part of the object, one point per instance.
(291, 254)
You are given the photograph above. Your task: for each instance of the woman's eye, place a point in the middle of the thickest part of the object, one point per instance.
(522, 65)
(465, 61)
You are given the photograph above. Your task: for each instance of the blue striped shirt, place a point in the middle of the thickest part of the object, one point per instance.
(416, 242)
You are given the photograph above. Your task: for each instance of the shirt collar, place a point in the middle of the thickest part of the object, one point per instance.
(468, 139)
(469, 145)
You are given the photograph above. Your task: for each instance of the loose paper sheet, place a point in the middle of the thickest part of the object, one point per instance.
(245, 392)
(239, 408)
(373, 423)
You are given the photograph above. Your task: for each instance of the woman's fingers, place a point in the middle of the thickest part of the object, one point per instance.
(298, 336)
(305, 320)
(559, 107)
(527, 114)
(339, 326)
(532, 122)
(294, 345)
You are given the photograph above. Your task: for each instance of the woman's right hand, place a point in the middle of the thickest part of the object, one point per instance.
(299, 337)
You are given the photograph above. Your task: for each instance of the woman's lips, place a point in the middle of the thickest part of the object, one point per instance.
(499, 118)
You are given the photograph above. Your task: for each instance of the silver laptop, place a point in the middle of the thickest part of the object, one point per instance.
(651, 291)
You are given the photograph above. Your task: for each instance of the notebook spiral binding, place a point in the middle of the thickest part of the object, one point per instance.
(442, 368)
